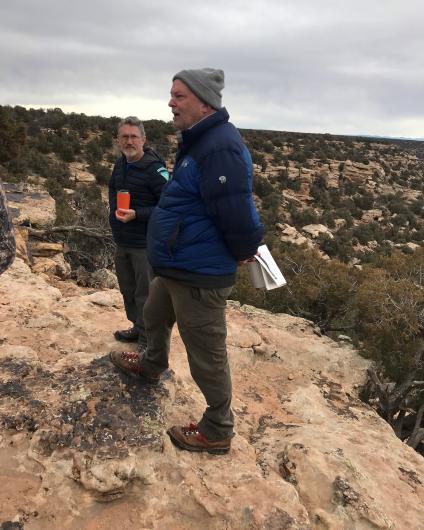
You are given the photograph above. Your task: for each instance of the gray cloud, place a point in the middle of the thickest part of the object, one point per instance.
(322, 66)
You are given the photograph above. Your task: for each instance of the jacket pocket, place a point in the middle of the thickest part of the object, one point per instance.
(170, 242)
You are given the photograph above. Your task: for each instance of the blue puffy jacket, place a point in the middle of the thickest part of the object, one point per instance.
(206, 220)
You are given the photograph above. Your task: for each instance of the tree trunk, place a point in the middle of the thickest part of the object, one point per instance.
(418, 433)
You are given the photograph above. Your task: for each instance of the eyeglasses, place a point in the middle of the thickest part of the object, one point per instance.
(127, 137)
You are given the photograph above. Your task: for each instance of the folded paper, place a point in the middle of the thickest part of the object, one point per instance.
(264, 272)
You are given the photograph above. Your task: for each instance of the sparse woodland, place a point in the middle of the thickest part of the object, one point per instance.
(361, 274)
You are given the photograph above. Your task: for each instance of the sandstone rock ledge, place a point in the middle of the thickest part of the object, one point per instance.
(84, 448)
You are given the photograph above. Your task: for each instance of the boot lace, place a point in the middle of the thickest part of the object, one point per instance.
(131, 357)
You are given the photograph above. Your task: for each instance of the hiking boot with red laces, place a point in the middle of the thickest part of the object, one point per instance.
(129, 363)
(126, 335)
(191, 439)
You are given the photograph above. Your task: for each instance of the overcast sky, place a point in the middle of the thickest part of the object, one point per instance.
(333, 66)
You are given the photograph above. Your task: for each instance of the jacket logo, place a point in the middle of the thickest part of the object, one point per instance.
(222, 179)
(185, 163)
(164, 172)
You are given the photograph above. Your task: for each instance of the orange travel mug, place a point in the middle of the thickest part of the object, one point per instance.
(123, 199)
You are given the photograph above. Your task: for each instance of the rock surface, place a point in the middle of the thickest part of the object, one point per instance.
(84, 447)
(315, 230)
(30, 205)
(80, 173)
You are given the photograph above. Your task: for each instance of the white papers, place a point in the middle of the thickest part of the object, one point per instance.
(264, 272)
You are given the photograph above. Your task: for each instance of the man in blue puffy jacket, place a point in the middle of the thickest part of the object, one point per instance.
(140, 172)
(205, 224)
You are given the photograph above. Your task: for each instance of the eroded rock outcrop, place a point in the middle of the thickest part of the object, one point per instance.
(30, 205)
(80, 173)
(33, 208)
(84, 447)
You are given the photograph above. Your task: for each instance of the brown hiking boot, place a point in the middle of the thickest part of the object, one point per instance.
(191, 439)
(141, 348)
(129, 363)
(126, 335)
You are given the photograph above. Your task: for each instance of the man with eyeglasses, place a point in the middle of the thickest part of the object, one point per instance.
(140, 174)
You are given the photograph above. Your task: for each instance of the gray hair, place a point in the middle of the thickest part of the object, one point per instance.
(133, 120)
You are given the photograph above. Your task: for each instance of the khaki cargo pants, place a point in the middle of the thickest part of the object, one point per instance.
(200, 316)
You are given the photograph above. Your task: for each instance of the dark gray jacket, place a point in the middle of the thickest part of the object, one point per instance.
(144, 180)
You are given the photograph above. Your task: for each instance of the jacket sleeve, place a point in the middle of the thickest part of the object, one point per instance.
(226, 189)
(158, 177)
(7, 237)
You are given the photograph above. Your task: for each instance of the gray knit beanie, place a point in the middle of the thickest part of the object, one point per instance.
(206, 83)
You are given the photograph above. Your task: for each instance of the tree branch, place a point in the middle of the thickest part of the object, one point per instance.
(87, 231)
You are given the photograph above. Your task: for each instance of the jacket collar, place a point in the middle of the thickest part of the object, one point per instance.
(148, 158)
(188, 136)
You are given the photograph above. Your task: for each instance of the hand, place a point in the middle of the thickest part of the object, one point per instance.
(249, 260)
(125, 215)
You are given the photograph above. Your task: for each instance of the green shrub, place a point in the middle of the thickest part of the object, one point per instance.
(101, 172)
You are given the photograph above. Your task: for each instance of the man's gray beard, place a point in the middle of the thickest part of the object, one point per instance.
(129, 152)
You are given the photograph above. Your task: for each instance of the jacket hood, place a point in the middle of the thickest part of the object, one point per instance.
(150, 157)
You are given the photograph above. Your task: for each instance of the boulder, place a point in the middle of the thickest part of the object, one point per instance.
(289, 234)
(412, 246)
(316, 230)
(104, 279)
(55, 266)
(369, 216)
(45, 250)
(31, 207)
(80, 173)
(339, 223)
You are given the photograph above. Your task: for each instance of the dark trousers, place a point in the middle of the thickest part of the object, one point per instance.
(200, 315)
(134, 275)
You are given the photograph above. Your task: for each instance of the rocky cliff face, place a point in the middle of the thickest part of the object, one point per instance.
(83, 447)
(367, 193)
